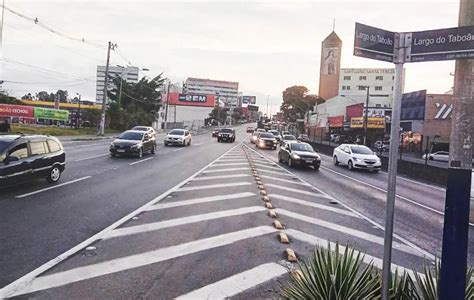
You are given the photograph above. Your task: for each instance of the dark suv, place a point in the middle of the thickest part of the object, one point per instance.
(227, 135)
(26, 157)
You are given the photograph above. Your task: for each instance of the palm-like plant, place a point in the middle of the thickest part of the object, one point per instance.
(328, 274)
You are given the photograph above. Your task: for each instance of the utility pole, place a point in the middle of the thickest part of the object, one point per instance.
(366, 119)
(456, 213)
(1, 41)
(167, 104)
(106, 85)
(268, 99)
(79, 118)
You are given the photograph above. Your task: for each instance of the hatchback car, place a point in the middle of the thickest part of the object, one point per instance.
(288, 138)
(299, 154)
(26, 157)
(132, 142)
(356, 157)
(178, 137)
(215, 132)
(250, 130)
(266, 140)
(439, 156)
(226, 135)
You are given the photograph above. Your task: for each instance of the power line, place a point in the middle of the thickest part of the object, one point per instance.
(46, 27)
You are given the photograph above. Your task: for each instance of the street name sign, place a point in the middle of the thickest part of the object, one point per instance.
(374, 43)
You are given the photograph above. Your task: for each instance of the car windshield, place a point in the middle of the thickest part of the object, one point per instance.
(274, 132)
(301, 147)
(266, 135)
(140, 128)
(227, 130)
(3, 146)
(361, 150)
(303, 136)
(135, 136)
(176, 132)
(289, 138)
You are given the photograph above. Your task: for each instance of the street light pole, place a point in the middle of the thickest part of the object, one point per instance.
(106, 83)
(366, 119)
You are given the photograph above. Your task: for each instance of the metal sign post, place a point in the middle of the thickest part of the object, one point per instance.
(433, 45)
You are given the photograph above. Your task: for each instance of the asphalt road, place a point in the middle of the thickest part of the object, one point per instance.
(190, 222)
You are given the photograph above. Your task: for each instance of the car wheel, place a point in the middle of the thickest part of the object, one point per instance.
(166, 144)
(140, 153)
(290, 163)
(431, 158)
(350, 166)
(279, 158)
(336, 162)
(218, 140)
(54, 175)
(113, 154)
(189, 143)
(152, 149)
(316, 168)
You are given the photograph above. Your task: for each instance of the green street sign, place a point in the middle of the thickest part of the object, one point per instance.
(51, 114)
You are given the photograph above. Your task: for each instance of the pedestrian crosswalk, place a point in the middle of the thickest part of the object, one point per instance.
(212, 237)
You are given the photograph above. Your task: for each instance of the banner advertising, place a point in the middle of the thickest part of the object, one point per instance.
(51, 114)
(372, 123)
(253, 107)
(249, 99)
(21, 111)
(192, 100)
(336, 122)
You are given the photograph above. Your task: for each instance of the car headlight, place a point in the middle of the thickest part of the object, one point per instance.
(136, 146)
(356, 159)
(112, 145)
(295, 156)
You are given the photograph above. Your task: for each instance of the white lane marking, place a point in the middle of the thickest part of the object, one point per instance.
(199, 201)
(91, 157)
(265, 166)
(179, 149)
(140, 161)
(138, 260)
(297, 191)
(230, 164)
(407, 242)
(198, 144)
(349, 231)
(88, 145)
(273, 172)
(124, 231)
(220, 177)
(53, 187)
(385, 191)
(27, 278)
(238, 283)
(213, 186)
(284, 180)
(233, 160)
(311, 204)
(314, 240)
(225, 170)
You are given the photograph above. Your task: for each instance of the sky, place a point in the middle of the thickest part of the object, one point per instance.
(266, 46)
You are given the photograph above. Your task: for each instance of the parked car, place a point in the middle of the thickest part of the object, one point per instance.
(23, 158)
(254, 137)
(132, 143)
(276, 134)
(215, 132)
(356, 157)
(178, 137)
(299, 154)
(250, 130)
(266, 140)
(303, 138)
(382, 145)
(439, 156)
(333, 137)
(288, 138)
(226, 135)
(150, 130)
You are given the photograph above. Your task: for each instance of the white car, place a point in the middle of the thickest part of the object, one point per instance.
(178, 137)
(439, 156)
(150, 130)
(356, 157)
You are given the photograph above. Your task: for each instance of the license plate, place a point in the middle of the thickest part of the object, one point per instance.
(121, 151)
(309, 160)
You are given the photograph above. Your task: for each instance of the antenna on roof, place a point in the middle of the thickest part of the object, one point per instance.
(334, 24)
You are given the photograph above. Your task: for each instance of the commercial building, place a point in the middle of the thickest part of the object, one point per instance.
(188, 110)
(226, 91)
(129, 74)
(330, 66)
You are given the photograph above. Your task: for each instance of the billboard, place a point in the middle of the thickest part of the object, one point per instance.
(252, 107)
(51, 114)
(413, 106)
(249, 99)
(192, 100)
(336, 122)
(20, 111)
(373, 123)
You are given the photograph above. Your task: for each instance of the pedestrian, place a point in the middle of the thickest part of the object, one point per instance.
(5, 127)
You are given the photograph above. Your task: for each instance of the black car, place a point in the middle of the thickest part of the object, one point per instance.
(299, 154)
(215, 132)
(226, 135)
(266, 140)
(132, 142)
(276, 134)
(27, 157)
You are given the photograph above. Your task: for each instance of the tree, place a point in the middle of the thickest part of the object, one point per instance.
(62, 95)
(218, 113)
(27, 97)
(43, 96)
(297, 102)
(6, 99)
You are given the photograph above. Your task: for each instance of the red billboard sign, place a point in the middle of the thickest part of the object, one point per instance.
(7, 110)
(192, 100)
(336, 122)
